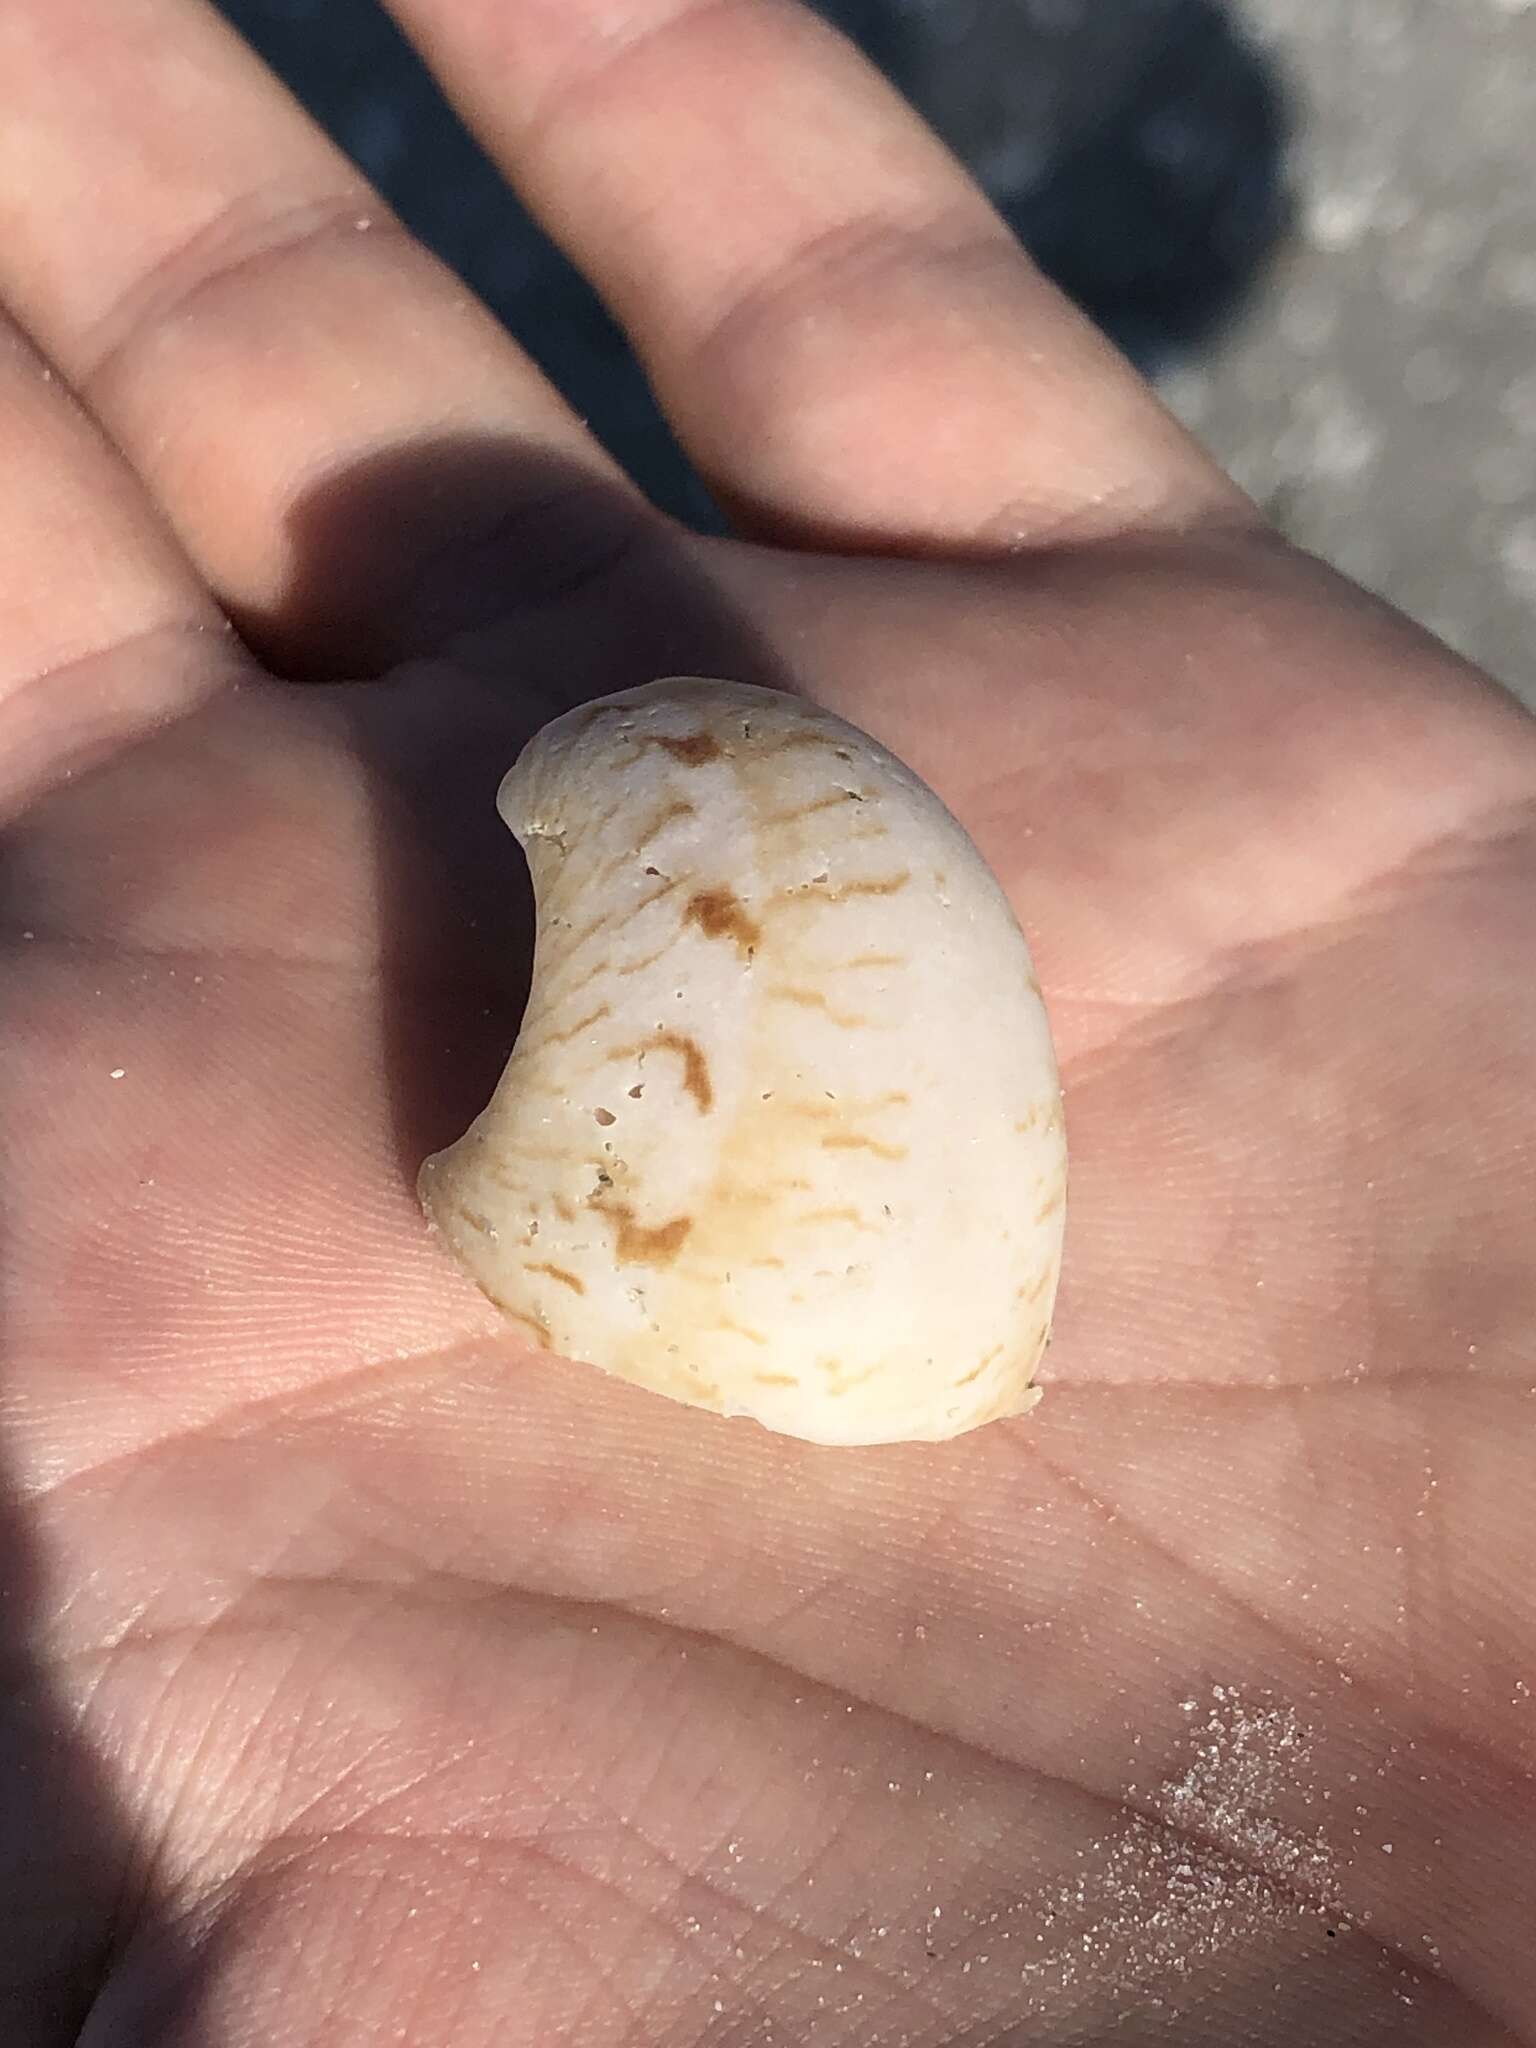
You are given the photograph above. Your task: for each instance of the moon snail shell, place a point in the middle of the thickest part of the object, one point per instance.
(781, 1135)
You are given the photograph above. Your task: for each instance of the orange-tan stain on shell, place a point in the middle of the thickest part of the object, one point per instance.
(794, 742)
(976, 1371)
(860, 1141)
(814, 999)
(474, 1219)
(853, 1218)
(637, 1245)
(566, 1279)
(531, 1322)
(693, 749)
(679, 807)
(736, 1329)
(835, 800)
(575, 1030)
(696, 1079)
(720, 914)
(814, 894)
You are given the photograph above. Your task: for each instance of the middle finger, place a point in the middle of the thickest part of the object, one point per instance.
(247, 318)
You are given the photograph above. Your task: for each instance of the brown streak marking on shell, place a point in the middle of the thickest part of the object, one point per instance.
(678, 808)
(696, 1079)
(590, 931)
(1049, 1208)
(654, 897)
(790, 740)
(741, 1330)
(883, 885)
(693, 749)
(574, 1030)
(565, 1210)
(593, 714)
(774, 1379)
(555, 836)
(473, 1218)
(814, 895)
(720, 914)
(813, 999)
(976, 1372)
(847, 1386)
(599, 878)
(539, 1155)
(859, 1141)
(821, 1112)
(793, 816)
(851, 1217)
(561, 991)
(558, 1273)
(1034, 1293)
(776, 1264)
(815, 1112)
(875, 960)
(635, 1244)
(535, 1323)
(639, 966)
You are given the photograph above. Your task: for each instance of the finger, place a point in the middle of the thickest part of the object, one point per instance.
(845, 334)
(254, 328)
(105, 632)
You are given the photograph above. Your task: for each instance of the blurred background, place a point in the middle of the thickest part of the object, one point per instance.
(1312, 221)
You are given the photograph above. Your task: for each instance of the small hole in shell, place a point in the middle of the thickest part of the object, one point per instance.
(637, 1091)
(604, 1117)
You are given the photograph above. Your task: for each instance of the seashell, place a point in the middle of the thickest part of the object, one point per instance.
(781, 1135)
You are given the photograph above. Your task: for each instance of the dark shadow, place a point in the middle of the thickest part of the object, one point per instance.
(81, 1915)
(1159, 217)
(74, 1900)
(1137, 147)
(553, 591)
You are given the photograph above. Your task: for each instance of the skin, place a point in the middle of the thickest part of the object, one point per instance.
(371, 1679)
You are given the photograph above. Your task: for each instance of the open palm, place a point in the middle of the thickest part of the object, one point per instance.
(373, 1679)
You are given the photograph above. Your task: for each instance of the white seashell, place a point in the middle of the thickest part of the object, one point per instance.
(781, 1135)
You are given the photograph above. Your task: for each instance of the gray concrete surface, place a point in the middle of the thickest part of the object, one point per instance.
(1378, 392)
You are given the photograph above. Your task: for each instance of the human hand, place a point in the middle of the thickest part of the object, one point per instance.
(375, 1680)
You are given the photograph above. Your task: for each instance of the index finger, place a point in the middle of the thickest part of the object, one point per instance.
(846, 335)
